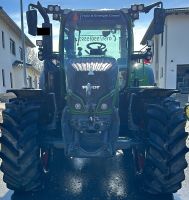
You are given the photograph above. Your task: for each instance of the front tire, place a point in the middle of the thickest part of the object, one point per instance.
(20, 151)
(165, 155)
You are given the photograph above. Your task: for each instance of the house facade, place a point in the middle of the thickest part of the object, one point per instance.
(11, 56)
(171, 51)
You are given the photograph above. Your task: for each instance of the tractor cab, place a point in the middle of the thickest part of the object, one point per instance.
(97, 37)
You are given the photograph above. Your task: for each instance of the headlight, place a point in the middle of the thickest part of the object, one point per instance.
(75, 103)
(107, 103)
(78, 106)
(104, 106)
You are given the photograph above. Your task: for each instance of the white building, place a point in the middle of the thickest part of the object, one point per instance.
(171, 51)
(11, 65)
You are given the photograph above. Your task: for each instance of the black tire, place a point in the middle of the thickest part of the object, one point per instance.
(165, 156)
(20, 151)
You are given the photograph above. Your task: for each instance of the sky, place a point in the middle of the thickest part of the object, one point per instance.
(13, 9)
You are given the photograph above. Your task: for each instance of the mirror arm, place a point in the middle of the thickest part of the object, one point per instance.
(147, 9)
(43, 13)
(138, 55)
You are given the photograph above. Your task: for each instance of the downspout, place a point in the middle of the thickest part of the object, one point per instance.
(165, 74)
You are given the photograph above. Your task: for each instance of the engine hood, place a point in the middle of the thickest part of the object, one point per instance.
(91, 79)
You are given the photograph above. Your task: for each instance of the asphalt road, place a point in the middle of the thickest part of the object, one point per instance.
(87, 179)
(94, 179)
(91, 179)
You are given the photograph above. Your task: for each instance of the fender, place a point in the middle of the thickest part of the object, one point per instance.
(47, 101)
(139, 98)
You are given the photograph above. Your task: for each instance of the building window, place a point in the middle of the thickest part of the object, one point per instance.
(30, 81)
(3, 77)
(183, 78)
(35, 82)
(156, 50)
(11, 80)
(21, 53)
(3, 39)
(12, 47)
(161, 75)
(162, 39)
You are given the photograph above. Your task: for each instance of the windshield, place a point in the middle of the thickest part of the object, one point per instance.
(96, 38)
(95, 35)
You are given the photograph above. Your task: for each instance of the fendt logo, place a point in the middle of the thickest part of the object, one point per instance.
(89, 88)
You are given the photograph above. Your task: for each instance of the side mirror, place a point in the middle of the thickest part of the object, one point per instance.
(32, 22)
(159, 20)
(136, 56)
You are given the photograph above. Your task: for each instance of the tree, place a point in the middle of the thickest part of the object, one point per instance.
(32, 59)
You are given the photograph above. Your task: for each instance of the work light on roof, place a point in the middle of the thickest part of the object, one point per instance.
(134, 8)
(57, 8)
(141, 7)
(53, 8)
(50, 8)
(137, 8)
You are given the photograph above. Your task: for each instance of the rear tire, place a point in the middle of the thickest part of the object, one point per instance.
(165, 156)
(20, 151)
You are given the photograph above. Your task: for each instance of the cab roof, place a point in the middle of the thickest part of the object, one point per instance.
(89, 18)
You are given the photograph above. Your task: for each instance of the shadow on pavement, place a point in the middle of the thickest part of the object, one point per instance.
(90, 179)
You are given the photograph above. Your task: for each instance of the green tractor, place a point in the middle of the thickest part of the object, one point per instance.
(90, 103)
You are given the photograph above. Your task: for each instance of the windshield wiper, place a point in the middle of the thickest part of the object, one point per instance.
(79, 38)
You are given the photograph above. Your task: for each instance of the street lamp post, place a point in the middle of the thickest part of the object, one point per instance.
(23, 44)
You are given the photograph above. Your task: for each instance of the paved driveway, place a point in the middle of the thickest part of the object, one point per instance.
(85, 179)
